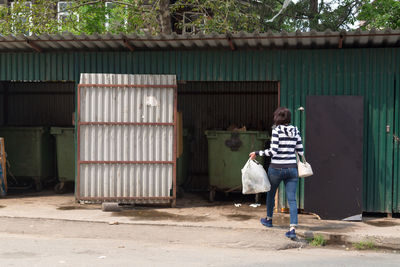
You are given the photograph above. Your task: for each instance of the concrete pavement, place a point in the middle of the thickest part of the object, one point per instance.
(195, 211)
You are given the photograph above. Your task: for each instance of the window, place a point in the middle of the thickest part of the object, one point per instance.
(109, 7)
(64, 11)
(22, 17)
(189, 27)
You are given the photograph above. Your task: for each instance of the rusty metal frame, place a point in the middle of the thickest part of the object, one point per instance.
(173, 162)
(129, 85)
(124, 162)
(124, 198)
(230, 42)
(3, 161)
(128, 45)
(129, 123)
(34, 46)
(340, 44)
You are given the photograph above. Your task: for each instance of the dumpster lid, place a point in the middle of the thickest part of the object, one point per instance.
(60, 130)
(259, 134)
(24, 128)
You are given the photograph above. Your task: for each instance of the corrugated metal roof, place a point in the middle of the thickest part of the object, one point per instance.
(109, 42)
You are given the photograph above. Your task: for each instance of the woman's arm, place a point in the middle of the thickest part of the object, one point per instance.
(273, 150)
(299, 146)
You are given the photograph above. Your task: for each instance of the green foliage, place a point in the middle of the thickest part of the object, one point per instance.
(363, 245)
(85, 16)
(380, 14)
(254, 15)
(317, 241)
(218, 16)
(228, 16)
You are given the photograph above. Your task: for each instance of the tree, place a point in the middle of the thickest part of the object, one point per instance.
(84, 16)
(166, 16)
(313, 14)
(380, 14)
(255, 15)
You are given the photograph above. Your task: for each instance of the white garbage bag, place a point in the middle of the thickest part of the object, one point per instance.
(254, 178)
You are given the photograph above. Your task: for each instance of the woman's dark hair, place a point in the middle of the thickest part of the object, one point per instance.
(282, 115)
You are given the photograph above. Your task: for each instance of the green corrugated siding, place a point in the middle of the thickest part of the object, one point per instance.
(367, 72)
(396, 165)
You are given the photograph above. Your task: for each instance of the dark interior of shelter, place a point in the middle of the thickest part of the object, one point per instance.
(32, 116)
(228, 110)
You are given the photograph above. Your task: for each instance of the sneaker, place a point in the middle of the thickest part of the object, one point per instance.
(291, 234)
(265, 222)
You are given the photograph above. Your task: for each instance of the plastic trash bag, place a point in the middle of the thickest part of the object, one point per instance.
(254, 178)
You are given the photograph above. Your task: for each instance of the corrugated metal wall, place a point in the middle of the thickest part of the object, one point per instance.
(396, 165)
(367, 72)
(217, 106)
(126, 137)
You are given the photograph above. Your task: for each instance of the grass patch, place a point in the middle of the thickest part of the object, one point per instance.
(363, 245)
(317, 241)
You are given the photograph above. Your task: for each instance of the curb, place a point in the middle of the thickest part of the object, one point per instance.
(335, 238)
(141, 223)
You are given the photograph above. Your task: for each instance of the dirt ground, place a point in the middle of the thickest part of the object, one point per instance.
(192, 208)
(234, 212)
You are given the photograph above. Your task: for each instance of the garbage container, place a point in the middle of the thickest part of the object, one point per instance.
(65, 151)
(30, 151)
(227, 153)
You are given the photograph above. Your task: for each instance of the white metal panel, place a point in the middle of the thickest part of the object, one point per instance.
(126, 124)
(126, 143)
(127, 105)
(126, 181)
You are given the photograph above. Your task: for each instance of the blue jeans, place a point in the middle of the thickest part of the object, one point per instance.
(290, 177)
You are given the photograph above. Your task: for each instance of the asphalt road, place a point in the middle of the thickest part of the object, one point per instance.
(38, 242)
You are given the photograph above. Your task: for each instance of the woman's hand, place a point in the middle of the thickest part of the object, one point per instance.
(252, 155)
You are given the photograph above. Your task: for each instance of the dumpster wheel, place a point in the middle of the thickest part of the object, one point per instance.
(212, 195)
(38, 184)
(60, 188)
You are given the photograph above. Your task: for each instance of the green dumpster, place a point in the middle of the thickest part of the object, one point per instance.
(30, 151)
(65, 151)
(227, 153)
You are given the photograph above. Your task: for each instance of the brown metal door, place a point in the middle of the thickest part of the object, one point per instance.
(334, 134)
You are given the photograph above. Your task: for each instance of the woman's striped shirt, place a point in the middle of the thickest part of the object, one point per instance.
(285, 142)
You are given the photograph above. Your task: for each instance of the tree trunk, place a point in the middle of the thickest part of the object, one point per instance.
(313, 11)
(165, 17)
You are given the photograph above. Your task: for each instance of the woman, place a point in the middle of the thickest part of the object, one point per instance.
(285, 142)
